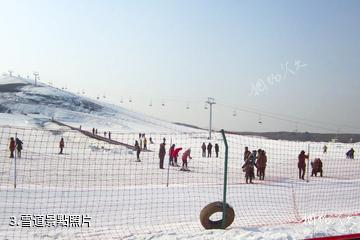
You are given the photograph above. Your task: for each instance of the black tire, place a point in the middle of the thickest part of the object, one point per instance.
(212, 208)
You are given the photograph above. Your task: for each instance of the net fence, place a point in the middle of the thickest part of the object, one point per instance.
(98, 185)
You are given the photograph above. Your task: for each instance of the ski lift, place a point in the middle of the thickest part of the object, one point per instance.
(163, 104)
(130, 100)
(150, 104)
(97, 97)
(187, 106)
(260, 120)
(104, 96)
(205, 106)
(234, 113)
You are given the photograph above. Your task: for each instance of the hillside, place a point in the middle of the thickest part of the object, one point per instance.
(23, 104)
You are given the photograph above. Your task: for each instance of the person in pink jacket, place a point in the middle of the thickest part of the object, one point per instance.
(184, 158)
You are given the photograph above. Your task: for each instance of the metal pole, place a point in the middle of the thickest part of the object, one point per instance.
(210, 121)
(168, 171)
(223, 223)
(210, 101)
(308, 167)
(15, 162)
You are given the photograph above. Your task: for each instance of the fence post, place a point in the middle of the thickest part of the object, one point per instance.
(168, 170)
(223, 223)
(15, 151)
(308, 164)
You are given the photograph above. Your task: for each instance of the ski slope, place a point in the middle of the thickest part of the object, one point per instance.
(136, 200)
(35, 106)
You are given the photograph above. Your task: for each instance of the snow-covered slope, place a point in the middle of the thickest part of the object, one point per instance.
(22, 103)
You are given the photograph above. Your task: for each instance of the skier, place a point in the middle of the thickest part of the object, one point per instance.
(350, 154)
(317, 166)
(248, 168)
(162, 152)
(12, 147)
(175, 156)
(302, 164)
(325, 149)
(209, 148)
(141, 143)
(96, 132)
(151, 141)
(261, 164)
(247, 154)
(171, 152)
(61, 145)
(105, 134)
(217, 150)
(109, 135)
(184, 158)
(19, 146)
(203, 148)
(137, 149)
(145, 144)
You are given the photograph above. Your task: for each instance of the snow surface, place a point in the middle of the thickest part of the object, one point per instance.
(137, 200)
(43, 102)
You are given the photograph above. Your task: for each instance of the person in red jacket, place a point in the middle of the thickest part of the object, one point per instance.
(317, 167)
(175, 156)
(171, 152)
(184, 158)
(61, 145)
(302, 164)
(261, 163)
(12, 147)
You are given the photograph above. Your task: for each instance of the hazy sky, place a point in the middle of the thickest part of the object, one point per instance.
(285, 58)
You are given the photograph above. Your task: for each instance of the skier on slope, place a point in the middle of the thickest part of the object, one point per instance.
(217, 150)
(171, 152)
(248, 168)
(61, 145)
(175, 156)
(209, 148)
(19, 146)
(137, 149)
(203, 148)
(184, 158)
(162, 153)
(12, 147)
(261, 164)
(301, 164)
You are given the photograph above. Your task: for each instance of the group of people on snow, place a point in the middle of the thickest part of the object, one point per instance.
(15, 144)
(106, 134)
(209, 149)
(173, 154)
(256, 158)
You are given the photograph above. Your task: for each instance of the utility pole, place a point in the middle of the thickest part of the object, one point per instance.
(36, 75)
(210, 101)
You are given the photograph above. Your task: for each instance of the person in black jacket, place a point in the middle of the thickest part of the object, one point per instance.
(137, 149)
(217, 150)
(19, 147)
(209, 148)
(162, 153)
